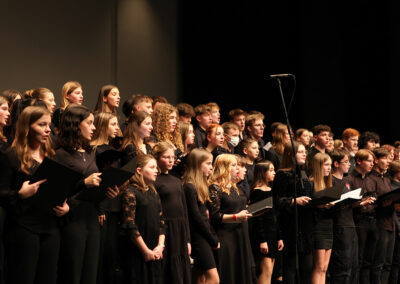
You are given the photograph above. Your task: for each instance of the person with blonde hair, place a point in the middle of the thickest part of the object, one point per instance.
(71, 93)
(177, 264)
(187, 132)
(321, 177)
(203, 238)
(143, 225)
(44, 95)
(229, 216)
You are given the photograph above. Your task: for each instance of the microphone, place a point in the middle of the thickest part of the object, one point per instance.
(280, 75)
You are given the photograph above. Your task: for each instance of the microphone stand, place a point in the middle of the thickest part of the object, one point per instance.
(295, 175)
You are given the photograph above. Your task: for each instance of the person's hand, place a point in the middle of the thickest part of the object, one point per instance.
(326, 205)
(280, 245)
(218, 246)
(367, 200)
(302, 200)
(93, 180)
(102, 218)
(264, 248)
(243, 215)
(158, 251)
(61, 210)
(149, 255)
(29, 189)
(177, 162)
(112, 193)
(189, 249)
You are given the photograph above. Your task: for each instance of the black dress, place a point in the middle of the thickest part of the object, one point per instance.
(203, 237)
(176, 259)
(130, 152)
(235, 262)
(141, 216)
(264, 228)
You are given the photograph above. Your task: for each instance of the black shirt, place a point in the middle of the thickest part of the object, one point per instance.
(200, 137)
(343, 216)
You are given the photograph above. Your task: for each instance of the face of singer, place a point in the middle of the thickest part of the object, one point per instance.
(270, 174)
(327, 167)
(252, 151)
(173, 121)
(166, 161)
(113, 128)
(240, 121)
(304, 138)
(322, 139)
(301, 155)
(145, 128)
(242, 173)
(112, 99)
(382, 164)
(185, 118)
(39, 131)
(216, 138)
(206, 167)
(256, 130)
(344, 165)
(76, 96)
(49, 101)
(145, 106)
(330, 146)
(190, 136)
(366, 166)
(234, 170)
(87, 127)
(351, 144)
(204, 120)
(4, 114)
(215, 115)
(149, 171)
(231, 134)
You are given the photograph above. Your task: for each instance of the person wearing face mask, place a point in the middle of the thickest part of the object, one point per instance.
(231, 135)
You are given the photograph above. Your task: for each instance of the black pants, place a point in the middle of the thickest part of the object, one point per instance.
(80, 246)
(383, 257)
(344, 259)
(109, 260)
(394, 273)
(32, 258)
(367, 238)
(289, 267)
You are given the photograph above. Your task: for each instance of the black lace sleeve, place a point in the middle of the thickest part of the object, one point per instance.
(128, 214)
(281, 190)
(215, 205)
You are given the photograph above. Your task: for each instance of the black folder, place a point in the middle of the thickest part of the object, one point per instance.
(107, 158)
(60, 183)
(260, 206)
(393, 195)
(327, 195)
(110, 178)
(349, 198)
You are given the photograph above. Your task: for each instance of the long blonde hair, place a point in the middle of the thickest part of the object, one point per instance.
(101, 122)
(161, 125)
(320, 181)
(221, 174)
(137, 179)
(21, 142)
(194, 174)
(67, 89)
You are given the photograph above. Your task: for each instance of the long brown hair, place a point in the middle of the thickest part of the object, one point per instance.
(137, 179)
(260, 171)
(22, 135)
(320, 181)
(194, 174)
(279, 141)
(131, 131)
(101, 105)
(3, 100)
(288, 159)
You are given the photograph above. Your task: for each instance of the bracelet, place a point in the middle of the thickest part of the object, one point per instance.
(234, 217)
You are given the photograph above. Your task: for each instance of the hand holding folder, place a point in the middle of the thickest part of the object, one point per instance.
(327, 195)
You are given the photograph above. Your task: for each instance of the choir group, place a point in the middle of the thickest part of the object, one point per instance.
(181, 215)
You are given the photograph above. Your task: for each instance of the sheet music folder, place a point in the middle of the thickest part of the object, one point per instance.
(327, 195)
(393, 195)
(60, 183)
(349, 198)
(260, 206)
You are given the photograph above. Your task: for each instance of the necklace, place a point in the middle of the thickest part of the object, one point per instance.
(83, 155)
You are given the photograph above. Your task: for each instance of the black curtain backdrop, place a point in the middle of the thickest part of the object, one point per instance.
(344, 54)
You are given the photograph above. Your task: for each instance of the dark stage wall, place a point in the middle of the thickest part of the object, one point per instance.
(345, 56)
(131, 43)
